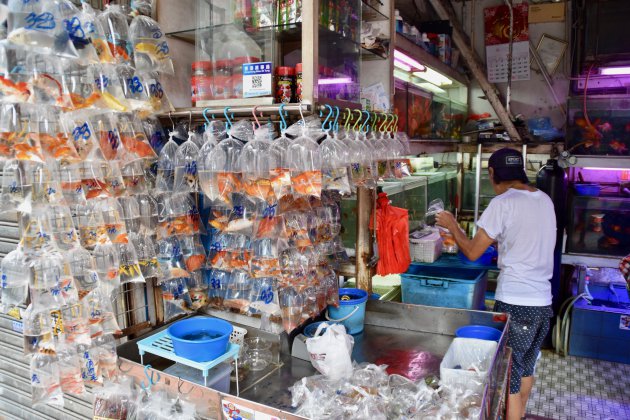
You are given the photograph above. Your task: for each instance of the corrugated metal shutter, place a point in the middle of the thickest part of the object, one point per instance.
(15, 385)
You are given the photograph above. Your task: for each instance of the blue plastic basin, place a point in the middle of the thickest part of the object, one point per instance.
(478, 331)
(200, 339)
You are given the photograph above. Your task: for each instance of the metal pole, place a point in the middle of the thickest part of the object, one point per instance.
(477, 188)
(547, 78)
(238, 110)
(508, 94)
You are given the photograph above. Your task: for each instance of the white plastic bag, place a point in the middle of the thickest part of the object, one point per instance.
(331, 352)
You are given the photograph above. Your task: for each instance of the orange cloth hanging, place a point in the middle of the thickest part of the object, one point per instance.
(392, 236)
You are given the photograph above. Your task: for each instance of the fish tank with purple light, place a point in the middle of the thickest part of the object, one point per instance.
(340, 51)
(604, 129)
(599, 215)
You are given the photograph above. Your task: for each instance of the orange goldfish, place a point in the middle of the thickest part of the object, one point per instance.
(618, 146)
(19, 91)
(307, 183)
(138, 145)
(195, 262)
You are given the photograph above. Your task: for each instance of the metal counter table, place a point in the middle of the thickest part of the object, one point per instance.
(390, 329)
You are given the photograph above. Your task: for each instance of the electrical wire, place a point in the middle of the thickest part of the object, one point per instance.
(584, 94)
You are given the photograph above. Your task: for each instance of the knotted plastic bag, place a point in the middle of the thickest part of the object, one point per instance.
(151, 51)
(39, 27)
(331, 351)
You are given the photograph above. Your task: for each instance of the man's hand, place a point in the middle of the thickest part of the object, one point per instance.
(447, 220)
(471, 248)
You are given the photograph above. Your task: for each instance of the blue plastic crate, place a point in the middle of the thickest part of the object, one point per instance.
(599, 333)
(463, 288)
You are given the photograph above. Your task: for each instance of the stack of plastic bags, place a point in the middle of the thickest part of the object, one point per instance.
(371, 394)
(122, 401)
(77, 89)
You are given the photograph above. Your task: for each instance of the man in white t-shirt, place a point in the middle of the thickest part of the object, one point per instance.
(521, 219)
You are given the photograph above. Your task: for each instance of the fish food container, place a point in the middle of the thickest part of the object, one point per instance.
(200, 339)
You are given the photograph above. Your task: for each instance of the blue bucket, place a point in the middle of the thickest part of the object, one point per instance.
(200, 339)
(351, 310)
(480, 332)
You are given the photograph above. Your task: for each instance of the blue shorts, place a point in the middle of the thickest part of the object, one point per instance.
(528, 327)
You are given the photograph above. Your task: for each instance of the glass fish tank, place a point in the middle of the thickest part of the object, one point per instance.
(599, 218)
(424, 115)
(603, 130)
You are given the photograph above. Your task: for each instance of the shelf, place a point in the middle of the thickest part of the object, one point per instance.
(238, 102)
(374, 54)
(591, 260)
(370, 12)
(436, 141)
(423, 57)
(612, 162)
(258, 34)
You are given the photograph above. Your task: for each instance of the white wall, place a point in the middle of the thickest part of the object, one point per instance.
(530, 98)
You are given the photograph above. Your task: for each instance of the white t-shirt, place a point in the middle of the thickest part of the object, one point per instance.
(524, 225)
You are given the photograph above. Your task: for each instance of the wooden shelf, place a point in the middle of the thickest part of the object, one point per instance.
(423, 57)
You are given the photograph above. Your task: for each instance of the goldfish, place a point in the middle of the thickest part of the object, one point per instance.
(58, 147)
(34, 38)
(94, 187)
(118, 51)
(195, 262)
(12, 91)
(5, 150)
(266, 227)
(618, 146)
(219, 223)
(177, 272)
(155, 52)
(110, 143)
(79, 102)
(591, 135)
(138, 145)
(25, 151)
(260, 188)
(239, 225)
(228, 183)
(102, 50)
(605, 127)
(112, 103)
(307, 183)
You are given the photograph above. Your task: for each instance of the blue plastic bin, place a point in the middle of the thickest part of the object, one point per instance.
(463, 288)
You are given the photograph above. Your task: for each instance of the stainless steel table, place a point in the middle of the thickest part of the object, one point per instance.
(391, 329)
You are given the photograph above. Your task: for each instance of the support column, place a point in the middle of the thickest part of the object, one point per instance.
(365, 203)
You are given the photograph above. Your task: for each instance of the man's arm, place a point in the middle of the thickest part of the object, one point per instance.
(471, 248)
